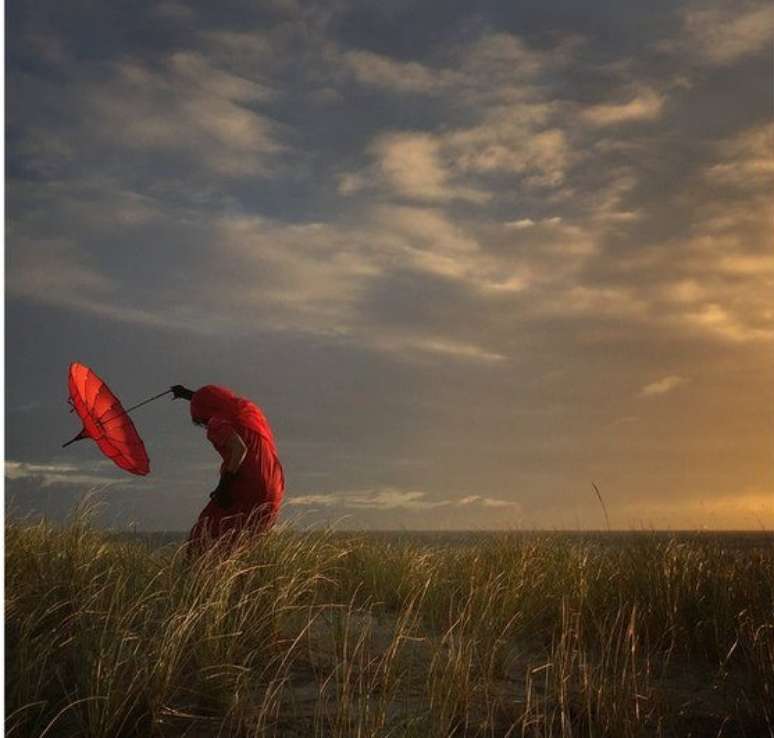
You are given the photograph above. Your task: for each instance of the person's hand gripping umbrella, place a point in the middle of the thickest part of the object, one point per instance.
(105, 420)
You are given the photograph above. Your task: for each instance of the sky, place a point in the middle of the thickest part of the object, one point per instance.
(469, 257)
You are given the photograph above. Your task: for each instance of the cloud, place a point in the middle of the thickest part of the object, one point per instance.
(391, 507)
(180, 114)
(315, 277)
(44, 152)
(513, 261)
(391, 498)
(58, 473)
(306, 276)
(326, 268)
(726, 262)
(595, 302)
(311, 278)
(728, 303)
(494, 66)
(684, 291)
(52, 270)
(403, 77)
(387, 498)
(662, 386)
(504, 76)
(520, 224)
(624, 421)
(715, 318)
(245, 49)
(529, 223)
(411, 165)
(438, 347)
(449, 166)
(506, 143)
(496, 86)
(56, 272)
(174, 11)
(189, 106)
(645, 105)
(487, 501)
(427, 238)
(707, 279)
(298, 277)
(723, 34)
(746, 160)
(351, 182)
(606, 204)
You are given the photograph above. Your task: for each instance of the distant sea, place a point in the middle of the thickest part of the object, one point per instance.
(433, 539)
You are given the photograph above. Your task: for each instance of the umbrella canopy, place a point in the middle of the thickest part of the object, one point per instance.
(105, 420)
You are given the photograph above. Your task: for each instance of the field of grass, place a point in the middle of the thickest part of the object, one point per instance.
(315, 634)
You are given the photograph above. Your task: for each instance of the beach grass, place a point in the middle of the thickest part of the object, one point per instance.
(320, 634)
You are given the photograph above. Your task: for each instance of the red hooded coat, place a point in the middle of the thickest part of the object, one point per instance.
(259, 485)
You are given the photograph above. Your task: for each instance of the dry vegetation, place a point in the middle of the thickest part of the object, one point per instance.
(310, 634)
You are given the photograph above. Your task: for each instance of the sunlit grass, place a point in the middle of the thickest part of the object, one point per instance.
(313, 634)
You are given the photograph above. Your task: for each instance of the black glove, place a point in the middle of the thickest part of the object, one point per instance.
(221, 495)
(178, 392)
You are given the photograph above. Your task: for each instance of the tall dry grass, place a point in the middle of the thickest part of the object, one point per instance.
(314, 634)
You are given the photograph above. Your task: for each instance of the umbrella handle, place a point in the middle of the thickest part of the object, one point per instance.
(83, 433)
(150, 399)
(134, 407)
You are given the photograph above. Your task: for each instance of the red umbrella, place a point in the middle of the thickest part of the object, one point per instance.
(105, 420)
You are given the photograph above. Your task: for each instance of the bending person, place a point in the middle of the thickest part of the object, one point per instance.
(252, 481)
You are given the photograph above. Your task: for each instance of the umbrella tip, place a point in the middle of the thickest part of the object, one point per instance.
(81, 435)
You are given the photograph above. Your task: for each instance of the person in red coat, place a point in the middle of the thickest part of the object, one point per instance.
(252, 481)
